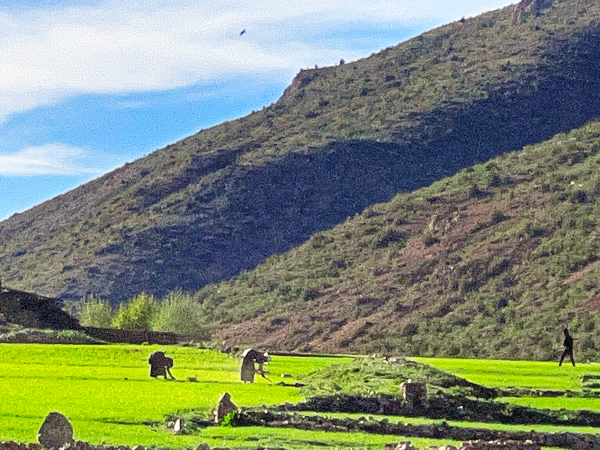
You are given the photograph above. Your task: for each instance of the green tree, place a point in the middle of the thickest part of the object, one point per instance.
(95, 312)
(180, 313)
(136, 314)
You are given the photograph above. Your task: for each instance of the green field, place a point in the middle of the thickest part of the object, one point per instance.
(107, 394)
(506, 373)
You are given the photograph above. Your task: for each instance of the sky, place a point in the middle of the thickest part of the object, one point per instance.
(88, 85)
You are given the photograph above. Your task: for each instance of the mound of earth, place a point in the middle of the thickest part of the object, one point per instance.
(368, 376)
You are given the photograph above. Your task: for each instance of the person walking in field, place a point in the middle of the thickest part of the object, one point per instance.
(568, 343)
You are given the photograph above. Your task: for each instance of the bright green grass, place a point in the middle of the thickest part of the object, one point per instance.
(530, 374)
(107, 393)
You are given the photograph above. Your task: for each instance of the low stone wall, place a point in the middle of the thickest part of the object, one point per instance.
(523, 392)
(499, 445)
(449, 408)
(268, 418)
(132, 336)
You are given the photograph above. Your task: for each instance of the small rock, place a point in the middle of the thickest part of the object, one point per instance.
(193, 379)
(139, 447)
(56, 431)
(170, 424)
(203, 447)
(178, 427)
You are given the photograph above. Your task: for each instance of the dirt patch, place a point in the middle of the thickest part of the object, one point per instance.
(578, 275)
(593, 304)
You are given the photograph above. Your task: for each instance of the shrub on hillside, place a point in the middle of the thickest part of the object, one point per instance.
(136, 314)
(95, 313)
(475, 192)
(497, 217)
(430, 240)
(180, 313)
(389, 237)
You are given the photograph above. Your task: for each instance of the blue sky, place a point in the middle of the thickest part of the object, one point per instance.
(87, 85)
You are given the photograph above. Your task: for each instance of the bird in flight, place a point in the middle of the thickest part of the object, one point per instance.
(243, 31)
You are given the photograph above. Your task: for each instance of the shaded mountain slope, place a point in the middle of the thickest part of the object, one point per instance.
(492, 262)
(339, 139)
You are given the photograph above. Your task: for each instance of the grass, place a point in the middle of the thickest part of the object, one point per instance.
(506, 373)
(107, 393)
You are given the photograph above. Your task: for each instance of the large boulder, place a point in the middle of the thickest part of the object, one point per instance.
(56, 431)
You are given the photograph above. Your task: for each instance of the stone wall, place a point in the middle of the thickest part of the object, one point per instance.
(266, 418)
(449, 408)
(132, 336)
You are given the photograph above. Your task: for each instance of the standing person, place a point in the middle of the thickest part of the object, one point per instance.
(568, 343)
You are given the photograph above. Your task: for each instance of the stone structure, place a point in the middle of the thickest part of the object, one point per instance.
(224, 407)
(56, 431)
(480, 437)
(415, 394)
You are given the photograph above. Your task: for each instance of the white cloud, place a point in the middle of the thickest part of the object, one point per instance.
(50, 159)
(122, 46)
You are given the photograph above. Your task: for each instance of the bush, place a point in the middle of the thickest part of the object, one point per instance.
(180, 313)
(96, 313)
(390, 236)
(475, 192)
(430, 240)
(411, 329)
(497, 217)
(136, 314)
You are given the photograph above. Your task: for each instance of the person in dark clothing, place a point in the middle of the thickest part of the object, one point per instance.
(568, 343)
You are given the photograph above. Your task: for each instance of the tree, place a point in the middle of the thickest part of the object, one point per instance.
(180, 313)
(136, 314)
(95, 313)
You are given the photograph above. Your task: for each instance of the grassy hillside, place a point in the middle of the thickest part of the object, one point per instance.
(492, 262)
(338, 140)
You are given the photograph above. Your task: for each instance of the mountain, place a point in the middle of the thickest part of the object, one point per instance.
(339, 140)
(492, 262)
